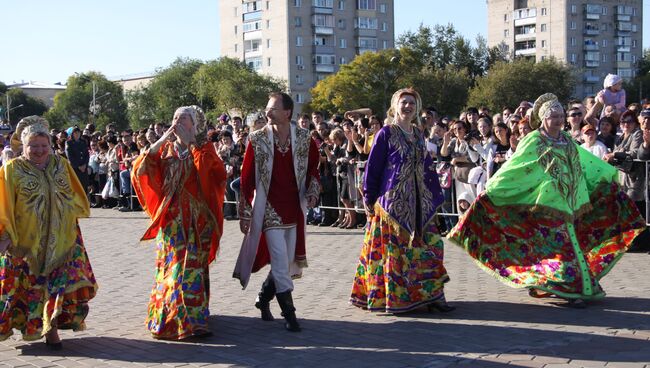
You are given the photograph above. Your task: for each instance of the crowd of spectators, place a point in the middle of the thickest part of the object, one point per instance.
(469, 150)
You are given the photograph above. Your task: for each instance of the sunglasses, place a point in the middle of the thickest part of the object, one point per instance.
(575, 114)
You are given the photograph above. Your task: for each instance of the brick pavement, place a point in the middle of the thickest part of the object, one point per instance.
(494, 325)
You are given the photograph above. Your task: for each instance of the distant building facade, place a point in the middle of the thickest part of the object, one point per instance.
(596, 36)
(41, 91)
(304, 41)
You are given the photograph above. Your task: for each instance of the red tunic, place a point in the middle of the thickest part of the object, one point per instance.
(283, 196)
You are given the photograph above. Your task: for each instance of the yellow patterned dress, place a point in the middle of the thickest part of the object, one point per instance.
(45, 277)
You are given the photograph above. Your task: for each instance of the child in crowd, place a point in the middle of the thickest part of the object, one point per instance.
(612, 93)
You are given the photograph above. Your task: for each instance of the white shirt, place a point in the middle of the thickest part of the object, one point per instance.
(598, 149)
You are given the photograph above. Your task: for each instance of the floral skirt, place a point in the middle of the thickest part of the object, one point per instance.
(34, 304)
(542, 251)
(397, 273)
(178, 306)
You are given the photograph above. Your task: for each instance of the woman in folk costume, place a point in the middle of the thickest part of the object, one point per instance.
(401, 263)
(553, 218)
(181, 185)
(46, 280)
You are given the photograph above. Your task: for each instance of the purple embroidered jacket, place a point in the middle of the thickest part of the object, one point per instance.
(402, 177)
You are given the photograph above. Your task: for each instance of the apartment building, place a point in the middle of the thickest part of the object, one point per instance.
(596, 36)
(304, 41)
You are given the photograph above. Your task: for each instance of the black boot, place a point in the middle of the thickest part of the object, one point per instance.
(288, 311)
(264, 297)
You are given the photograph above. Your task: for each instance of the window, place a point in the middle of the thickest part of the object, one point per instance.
(342, 60)
(572, 25)
(299, 98)
(252, 45)
(603, 27)
(300, 60)
(604, 43)
(366, 23)
(505, 17)
(251, 6)
(343, 43)
(604, 59)
(235, 29)
(543, 27)
(341, 4)
(322, 41)
(254, 63)
(543, 44)
(543, 57)
(366, 4)
(300, 79)
(604, 9)
(573, 58)
(633, 27)
(268, 6)
(323, 3)
(367, 43)
(384, 44)
(268, 43)
(322, 20)
(297, 3)
(634, 58)
(236, 48)
(543, 11)
(236, 12)
(506, 32)
(297, 22)
(574, 9)
(341, 24)
(325, 59)
(299, 41)
(268, 24)
(252, 26)
(384, 26)
(633, 43)
(268, 61)
(382, 8)
(573, 41)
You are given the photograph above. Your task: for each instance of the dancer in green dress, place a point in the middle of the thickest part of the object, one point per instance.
(553, 218)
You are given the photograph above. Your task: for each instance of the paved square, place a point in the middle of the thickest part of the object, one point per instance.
(494, 325)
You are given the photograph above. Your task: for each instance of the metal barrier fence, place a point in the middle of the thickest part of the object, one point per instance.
(359, 208)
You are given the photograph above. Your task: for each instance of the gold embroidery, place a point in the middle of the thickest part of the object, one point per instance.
(553, 157)
(271, 218)
(301, 155)
(262, 148)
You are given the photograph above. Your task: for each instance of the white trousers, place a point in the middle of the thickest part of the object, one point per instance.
(282, 249)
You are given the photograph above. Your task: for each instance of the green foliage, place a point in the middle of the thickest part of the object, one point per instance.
(229, 84)
(507, 84)
(31, 105)
(73, 106)
(368, 81)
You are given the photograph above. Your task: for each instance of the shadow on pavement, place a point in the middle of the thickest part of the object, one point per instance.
(406, 342)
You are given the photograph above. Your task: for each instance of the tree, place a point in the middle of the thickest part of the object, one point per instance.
(367, 81)
(171, 88)
(30, 105)
(74, 105)
(507, 84)
(230, 84)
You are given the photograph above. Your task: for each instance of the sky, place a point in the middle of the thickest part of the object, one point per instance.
(47, 41)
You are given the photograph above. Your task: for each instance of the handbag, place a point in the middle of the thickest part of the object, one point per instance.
(110, 189)
(444, 174)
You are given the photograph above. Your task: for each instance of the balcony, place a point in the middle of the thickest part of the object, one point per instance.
(256, 15)
(322, 49)
(253, 53)
(591, 31)
(623, 64)
(622, 48)
(592, 79)
(324, 30)
(591, 47)
(525, 37)
(324, 68)
(623, 18)
(592, 63)
(591, 16)
(317, 10)
(525, 52)
(525, 21)
(253, 35)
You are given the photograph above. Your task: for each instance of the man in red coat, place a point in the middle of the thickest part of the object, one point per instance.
(279, 181)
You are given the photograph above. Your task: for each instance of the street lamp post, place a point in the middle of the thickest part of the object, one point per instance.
(93, 104)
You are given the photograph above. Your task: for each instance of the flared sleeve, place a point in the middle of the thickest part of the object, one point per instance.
(375, 167)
